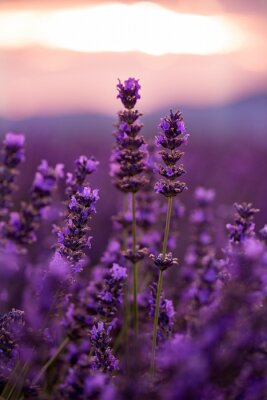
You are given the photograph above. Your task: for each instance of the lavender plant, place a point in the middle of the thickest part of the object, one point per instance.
(12, 154)
(22, 225)
(172, 135)
(201, 269)
(128, 163)
(74, 238)
(243, 226)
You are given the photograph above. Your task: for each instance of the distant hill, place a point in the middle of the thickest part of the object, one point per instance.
(227, 151)
(246, 116)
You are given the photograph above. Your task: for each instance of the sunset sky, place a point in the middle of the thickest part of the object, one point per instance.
(59, 57)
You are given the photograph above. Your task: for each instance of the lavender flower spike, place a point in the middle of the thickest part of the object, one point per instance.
(11, 156)
(243, 226)
(84, 166)
(172, 136)
(22, 225)
(104, 360)
(129, 92)
(128, 161)
(74, 238)
(111, 295)
(128, 164)
(166, 314)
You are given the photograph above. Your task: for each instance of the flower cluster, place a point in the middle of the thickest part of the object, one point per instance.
(166, 314)
(129, 92)
(80, 385)
(200, 256)
(74, 237)
(10, 329)
(101, 299)
(128, 161)
(84, 167)
(163, 263)
(243, 226)
(225, 356)
(104, 360)
(111, 296)
(11, 156)
(172, 136)
(22, 226)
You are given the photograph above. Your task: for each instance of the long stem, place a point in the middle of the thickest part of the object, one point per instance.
(15, 392)
(135, 292)
(126, 289)
(167, 228)
(135, 289)
(125, 229)
(51, 360)
(134, 222)
(9, 385)
(159, 288)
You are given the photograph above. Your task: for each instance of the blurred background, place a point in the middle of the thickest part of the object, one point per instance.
(59, 65)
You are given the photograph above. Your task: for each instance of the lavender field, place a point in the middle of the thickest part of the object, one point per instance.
(133, 254)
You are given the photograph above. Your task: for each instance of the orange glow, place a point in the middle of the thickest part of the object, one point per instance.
(60, 57)
(145, 27)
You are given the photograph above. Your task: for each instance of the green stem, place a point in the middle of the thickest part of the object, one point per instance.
(126, 313)
(8, 386)
(135, 293)
(135, 284)
(134, 222)
(126, 289)
(124, 230)
(156, 320)
(51, 360)
(159, 288)
(167, 228)
(17, 386)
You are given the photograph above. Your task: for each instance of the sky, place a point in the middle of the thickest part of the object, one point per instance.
(60, 57)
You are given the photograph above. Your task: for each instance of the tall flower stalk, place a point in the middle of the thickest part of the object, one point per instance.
(11, 155)
(127, 167)
(22, 226)
(74, 238)
(172, 135)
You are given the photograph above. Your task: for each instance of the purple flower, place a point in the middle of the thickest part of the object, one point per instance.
(74, 237)
(79, 382)
(164, 263)
(204, 196)
(166, 314)
(129, 92)
(118, 272)
(243, 226)
(11, 156)
(15, 140)
(128, 159)
(22, 225)
(172, 125)
(113, 253)
(110, 297)
(104, 360)
(169, 189)
(201, 268)
(84, 167)
(137, 255)
(263, 233)
(171, 137)
(11, 326)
